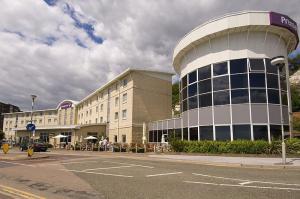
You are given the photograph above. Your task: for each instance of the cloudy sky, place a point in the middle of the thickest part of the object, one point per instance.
(65, 49)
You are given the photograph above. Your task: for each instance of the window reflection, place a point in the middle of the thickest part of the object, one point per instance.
(221, 97)
(204, 72)
(238, 66)
(221, 83)
(220, 68)
(239, 81)
(239, 96)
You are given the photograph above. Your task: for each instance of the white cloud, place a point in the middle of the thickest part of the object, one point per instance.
(136, 34)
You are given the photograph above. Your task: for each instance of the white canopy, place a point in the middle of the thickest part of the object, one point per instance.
(90, 138)
(60, 136)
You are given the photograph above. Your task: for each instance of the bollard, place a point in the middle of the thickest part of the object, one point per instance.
(135, 148)
(283, 153)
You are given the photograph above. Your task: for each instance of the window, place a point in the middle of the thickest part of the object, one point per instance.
(204, 72)
(223, 133)
(220, 69)
(151, 136)
(115, 138)
(238, 66)
(87, 113)
(272, 81)
(273, 96)
(192, 89)
(159, 135)
(97, 108)
(101, 107)
(185, 133)
(101, 119)
(184, 82)
(204, 86)
(192, 77)
(194, 133)
(241, 132)
(206, 133)
(270, 68)
(184, 105)
(184, 93)
(96, 120)
(116, 101)
(221, 83)
(239, 96)
(283, 85)
(124, 97)
(155, 136)
(193, 102)
(90, 111)
(257, 80)
(124, 138)
(275, 132)
(178, 134)
(124, 82)
(124, 114)
(284, 99)
(257, 65)
(116, 115)
(205, 100)
(260, 132)
(221, 97)
(40, 121)
(258, 96)
(49, 120)
(239, 81)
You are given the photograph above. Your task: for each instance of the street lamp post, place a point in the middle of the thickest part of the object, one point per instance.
(280, 63)
(33, 97)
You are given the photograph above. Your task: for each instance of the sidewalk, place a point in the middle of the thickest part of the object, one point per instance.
(234, 161)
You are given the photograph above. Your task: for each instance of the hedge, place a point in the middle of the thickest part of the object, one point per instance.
(236, 146)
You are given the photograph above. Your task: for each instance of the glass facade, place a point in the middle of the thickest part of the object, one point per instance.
(215, 90)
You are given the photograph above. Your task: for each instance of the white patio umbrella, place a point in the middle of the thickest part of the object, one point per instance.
(90, 138)
(60, 136)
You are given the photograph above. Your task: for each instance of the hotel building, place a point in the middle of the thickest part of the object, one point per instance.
(229, 88)
(117, 110)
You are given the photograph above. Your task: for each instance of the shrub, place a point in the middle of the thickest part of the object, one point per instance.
(236, 146)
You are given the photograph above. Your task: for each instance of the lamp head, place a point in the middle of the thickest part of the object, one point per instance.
(33, 97)
(277, 60)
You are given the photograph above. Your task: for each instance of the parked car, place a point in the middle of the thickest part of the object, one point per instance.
(37, 146)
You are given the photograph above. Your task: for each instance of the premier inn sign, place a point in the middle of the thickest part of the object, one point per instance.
(284, 21)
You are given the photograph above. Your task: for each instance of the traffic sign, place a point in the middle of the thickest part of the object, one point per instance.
(30, 127)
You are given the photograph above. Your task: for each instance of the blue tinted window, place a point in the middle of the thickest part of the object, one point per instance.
(221, 97)
(239, 81)
(194, 133)
(192, 77)
(272, 81)
(258, 96)
(193, 102)
(205, 100)
(270, 68)
(185, 133)
(257, 65)
(192, 89)
(241, 132)
(222, 133)
(239, 96)
(257, 80)
(221, 83)
(260, 132)
(204, 86)
(273, 96)
(206, 133)
(238, 66)
(220, 68)
(184, 82)
(204, 73)
(184, 93)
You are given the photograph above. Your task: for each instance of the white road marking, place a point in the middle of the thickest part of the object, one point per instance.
(105, 174)
(28, 165)
(104, 168)
(243, 183)
(163, 174)
(245, 180)
(137, 165)
(82, 162)
(247, 186)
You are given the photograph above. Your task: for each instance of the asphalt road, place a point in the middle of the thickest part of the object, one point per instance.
(116, 177)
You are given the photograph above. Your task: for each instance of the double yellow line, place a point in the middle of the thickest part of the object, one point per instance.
(5, 190)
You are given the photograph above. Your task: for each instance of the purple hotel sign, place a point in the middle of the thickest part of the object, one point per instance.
(66, 105)
(284, 21)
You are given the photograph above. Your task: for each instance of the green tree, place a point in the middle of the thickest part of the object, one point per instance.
(295, 96)
(294, 64)
(175, 94)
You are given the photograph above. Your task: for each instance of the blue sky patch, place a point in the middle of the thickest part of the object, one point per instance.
(87, 27)
(51, 2)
